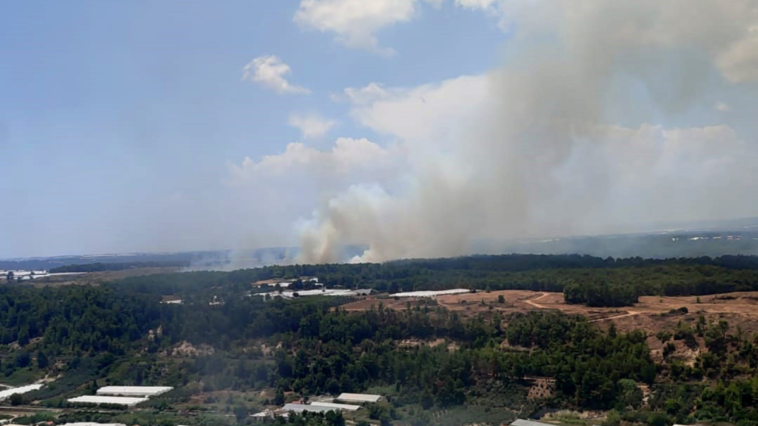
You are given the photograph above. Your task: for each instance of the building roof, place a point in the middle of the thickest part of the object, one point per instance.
(319, 292)
(264, 413)
(430, 293)
(522, 422)
(133, 390)
(359, 397)
(23, 389)
(99, 399)
(299, 408)
(346, 407)
(92, 424)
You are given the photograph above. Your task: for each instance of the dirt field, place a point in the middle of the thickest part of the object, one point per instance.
(651, 314)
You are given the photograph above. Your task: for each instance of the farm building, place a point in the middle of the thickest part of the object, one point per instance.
(107, 400)
(285, 282)
(301, 408)
(23, 389)
(135, 391)
(317, 292)
(263, 415)
(358, 397)
(92, 424)
(431, 293)
(522, 422)
(346, 407)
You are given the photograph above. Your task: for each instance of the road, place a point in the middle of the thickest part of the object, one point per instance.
(627, 314)
(534, 303)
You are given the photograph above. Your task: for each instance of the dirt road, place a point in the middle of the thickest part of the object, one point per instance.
(534, 303)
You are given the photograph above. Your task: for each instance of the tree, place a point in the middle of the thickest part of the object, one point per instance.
(427, 400)
(240, 412)
(500, 299)
(669, 349)
(23, 336)
(658, 419)
(663, 336)
(23, 359)
(334, 418)
(612, 331)
(17, 399)
(613, 418)
(279, 398)
(648, 372)
(42, 361)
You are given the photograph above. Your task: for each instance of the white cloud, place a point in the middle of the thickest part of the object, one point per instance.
(359, 159)
(722, 107)
(355, 22)
(311, 126)
(739, 62)
(270, 72)
(363, 95)
(433, 113)
(475, 4)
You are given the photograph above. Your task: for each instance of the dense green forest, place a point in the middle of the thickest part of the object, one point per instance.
(590, 280)
(120, 266)
(121, 333)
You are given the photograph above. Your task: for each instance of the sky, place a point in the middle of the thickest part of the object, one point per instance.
(178, 126)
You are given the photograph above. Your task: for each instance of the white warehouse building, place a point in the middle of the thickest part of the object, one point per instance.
(109, 400)
(358, 397)
(23, 389)
(134, 391)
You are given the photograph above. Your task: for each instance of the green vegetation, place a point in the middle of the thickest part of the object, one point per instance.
(119, 266)
(593, 279)
(218, 355)
(598, 292)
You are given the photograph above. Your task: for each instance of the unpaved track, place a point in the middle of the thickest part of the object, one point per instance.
(534, 303)
(627, 314)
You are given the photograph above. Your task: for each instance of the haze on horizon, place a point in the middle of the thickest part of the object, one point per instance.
(415, 127)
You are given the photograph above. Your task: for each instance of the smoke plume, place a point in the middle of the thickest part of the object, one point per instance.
(601, 118)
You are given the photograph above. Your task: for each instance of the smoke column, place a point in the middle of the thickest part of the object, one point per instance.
(544, 151)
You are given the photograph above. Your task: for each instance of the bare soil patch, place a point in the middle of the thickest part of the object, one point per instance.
(651, 314)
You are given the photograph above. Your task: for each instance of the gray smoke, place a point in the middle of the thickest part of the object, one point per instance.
(567, 136)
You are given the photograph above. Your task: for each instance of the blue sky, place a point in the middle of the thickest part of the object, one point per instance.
(129, 126)
(108, 105)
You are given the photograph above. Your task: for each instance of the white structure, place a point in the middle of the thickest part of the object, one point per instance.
(263, 415)
(431, 293)
(290, 294)
(135, 391)
(346, 407)
(33, 275)
(92, 424)
(113, 400)
(522, 422)
(23, 389)
(301, 408)
(359, 397)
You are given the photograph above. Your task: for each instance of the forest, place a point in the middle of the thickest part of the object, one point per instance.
(119, 266)
(590, 280)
